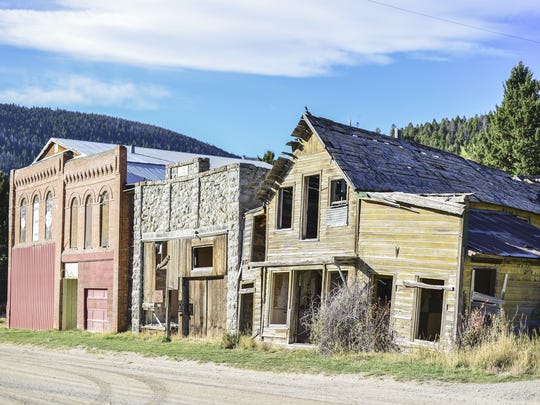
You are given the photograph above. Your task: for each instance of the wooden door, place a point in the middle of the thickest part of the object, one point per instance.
(208, 306)
(197, 302)
(69, 303)
(96, 310)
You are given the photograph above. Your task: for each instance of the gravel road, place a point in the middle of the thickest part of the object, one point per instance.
(30, 375)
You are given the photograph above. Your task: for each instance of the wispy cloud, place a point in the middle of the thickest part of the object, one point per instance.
(85, 91)
(279, 37)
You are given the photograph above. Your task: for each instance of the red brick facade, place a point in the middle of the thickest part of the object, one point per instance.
(92, 246)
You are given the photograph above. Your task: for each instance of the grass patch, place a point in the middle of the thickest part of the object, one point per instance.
(419, 365)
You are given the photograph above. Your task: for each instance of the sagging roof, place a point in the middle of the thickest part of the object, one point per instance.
(375, 162)
(502, 234)
(143, 163)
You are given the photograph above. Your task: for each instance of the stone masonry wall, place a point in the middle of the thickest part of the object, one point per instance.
(191, 199)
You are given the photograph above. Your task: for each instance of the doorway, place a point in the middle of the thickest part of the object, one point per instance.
(69, 303)
(307, 300)
(430, 311)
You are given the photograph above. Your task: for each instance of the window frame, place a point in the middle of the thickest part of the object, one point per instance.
(48, 215)
(279, 221)
(306, 205)
(23, 217)
(104, 217)
(88, 222)
(35, 218)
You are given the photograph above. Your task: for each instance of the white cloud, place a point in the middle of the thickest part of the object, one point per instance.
(82, 90)
(278, 37)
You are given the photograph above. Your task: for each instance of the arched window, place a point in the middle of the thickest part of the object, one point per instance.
(35, 219)
(73, 228)
(22, 230)
(88, 222)
(104, 216)
(48, 216)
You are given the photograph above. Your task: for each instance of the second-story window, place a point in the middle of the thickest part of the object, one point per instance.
(48, 216)
(285, 203)
(22, 230)
(310, 223)
(35, 219)
(338, 192)
(104, 218)
(88, 222)
(73, 225)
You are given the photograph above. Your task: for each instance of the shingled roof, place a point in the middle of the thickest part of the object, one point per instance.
(375, 162)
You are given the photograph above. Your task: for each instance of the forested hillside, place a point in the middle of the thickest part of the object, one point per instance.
(24, 131)
(456, 135)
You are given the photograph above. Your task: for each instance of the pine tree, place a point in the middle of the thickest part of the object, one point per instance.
(512, 140)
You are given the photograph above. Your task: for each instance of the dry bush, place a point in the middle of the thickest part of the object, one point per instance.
(349, 322)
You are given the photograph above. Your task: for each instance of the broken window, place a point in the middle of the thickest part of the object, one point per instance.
(48, 216)
(335, 281)
(73, 214)
(258, 239)
(22, 231)
(311, 207)
(485, 281)
(382, 289)
(280, 297)
(338, 192)
(88, 223)
(430, 310)
(285, 208)
(203, 256)
(35, 219)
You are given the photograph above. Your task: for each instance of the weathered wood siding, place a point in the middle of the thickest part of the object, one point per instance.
(287, 244)
(410, 243)
(522, 300)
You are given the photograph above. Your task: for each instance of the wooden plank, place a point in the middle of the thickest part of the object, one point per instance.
(185, 257)
(219, 267)
(217, 305)
(173, 249)
(197, 299)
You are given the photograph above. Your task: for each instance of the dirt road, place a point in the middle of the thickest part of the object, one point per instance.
(36, 376)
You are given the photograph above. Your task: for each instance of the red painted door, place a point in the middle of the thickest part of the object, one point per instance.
(96, 310)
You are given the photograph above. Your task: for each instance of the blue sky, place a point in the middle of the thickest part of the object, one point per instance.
(238, 73)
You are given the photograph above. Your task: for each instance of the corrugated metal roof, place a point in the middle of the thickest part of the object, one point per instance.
(374, 162)
(502, 234)
(145, 163)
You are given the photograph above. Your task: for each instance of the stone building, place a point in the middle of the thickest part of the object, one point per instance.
(187, 244)
(70, 234)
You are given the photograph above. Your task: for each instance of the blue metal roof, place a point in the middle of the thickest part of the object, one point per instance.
(144, 163)
(502, 234)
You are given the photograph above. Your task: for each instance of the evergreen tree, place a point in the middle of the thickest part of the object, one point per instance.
(512, 140)
(268, 157)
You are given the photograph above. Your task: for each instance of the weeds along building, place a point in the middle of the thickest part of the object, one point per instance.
(435, 235)
(188, 244)
(70, 234)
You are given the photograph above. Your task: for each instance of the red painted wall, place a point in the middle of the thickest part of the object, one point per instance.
(31, 288)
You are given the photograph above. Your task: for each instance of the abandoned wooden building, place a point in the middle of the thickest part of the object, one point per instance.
(432, 233)
(70, 234)
(187, 244)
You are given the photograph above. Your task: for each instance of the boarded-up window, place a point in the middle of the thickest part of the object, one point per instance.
(22, 231)
(311, 207)
(104, 220)
(88, 223)
(74, 219)
(285, 207)
(280, 297)
(35, 219)
(48, 216)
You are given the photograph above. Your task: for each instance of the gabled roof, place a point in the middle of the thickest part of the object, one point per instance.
(375, 162)
(502, 234)
(143, 163)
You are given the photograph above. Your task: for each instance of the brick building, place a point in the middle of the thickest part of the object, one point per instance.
(70, 234)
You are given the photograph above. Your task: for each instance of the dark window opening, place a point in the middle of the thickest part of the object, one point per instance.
(485, 281)
(338, 191)
(258, 240)
(246, 314)
(73, 216)
(311, 210)
(335, 281)
(88, 223)
(203, 256)
(382, 289)
(285, 208)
